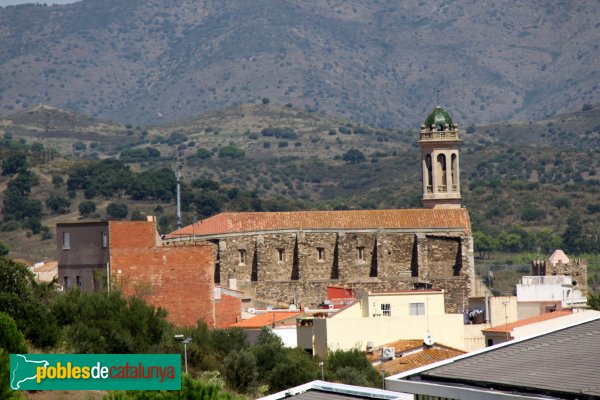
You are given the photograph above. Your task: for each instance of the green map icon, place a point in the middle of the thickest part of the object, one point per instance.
(23, 369)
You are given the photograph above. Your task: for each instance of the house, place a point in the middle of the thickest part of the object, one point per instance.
(382, 317)
(534, 325)
(321, 390)
(559, 363)
(555, 284)
(82, 254)
(292, 257)
(404, 355)
(281, 322)
(131, 256)
(45, 271)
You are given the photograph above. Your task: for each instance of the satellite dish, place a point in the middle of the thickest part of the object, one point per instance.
(428, 339)
(292, 307)
(269, 308)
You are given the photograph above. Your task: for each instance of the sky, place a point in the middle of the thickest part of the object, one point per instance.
(4, 3)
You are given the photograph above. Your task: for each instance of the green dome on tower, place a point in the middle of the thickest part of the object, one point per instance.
(438, 117)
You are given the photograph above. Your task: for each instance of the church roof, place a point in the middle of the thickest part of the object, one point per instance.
(559, 256)
(438, 117)
(241, 222)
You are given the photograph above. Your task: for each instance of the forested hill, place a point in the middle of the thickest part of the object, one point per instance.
(520, 180)
(151, 61)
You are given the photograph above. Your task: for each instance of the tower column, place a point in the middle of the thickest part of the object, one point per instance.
(439, 143)
(436, 173)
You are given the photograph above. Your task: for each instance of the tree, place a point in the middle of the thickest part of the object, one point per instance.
(594, 301)
(57, 181)
(510, 242)
(13, 164)
(203, 153)
(354, 156)
(117, 210)
(58, 204)
(11, 339)
(573, 237)
(4, 248)
(532, 213)
(20, 299)
(190, 389)
(339, 361)
(484, 244)
(87, 208)
(5, 390)
(297, 368)
(231, 151)
(103, 322)
(240, 370)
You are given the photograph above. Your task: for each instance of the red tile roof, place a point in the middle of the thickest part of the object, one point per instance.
(419, 359)
(528, 321)
(266, 319)
(224, 223)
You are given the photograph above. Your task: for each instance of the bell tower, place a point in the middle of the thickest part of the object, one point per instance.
(439, 143)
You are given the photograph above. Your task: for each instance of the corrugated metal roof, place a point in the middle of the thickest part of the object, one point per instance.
(226, 223)
(561, 363)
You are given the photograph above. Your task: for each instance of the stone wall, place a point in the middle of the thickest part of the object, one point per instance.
(577, 269)
(297, 267)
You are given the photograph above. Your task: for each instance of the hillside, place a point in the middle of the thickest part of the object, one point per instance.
(378, 62)
(268, 157)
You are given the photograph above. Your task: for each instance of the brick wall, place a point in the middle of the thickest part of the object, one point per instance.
(176, 278)
(228, 310)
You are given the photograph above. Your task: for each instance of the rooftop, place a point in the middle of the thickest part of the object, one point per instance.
(528, 321)
(438, 117)
(320, 390)
(266, 319)
(561, 363)
(241, 222)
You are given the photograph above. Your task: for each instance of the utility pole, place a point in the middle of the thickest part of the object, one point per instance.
(178, 176)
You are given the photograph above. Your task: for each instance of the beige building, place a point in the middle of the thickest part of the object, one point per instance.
(383, 317)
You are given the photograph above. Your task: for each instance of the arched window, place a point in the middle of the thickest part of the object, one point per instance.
(441, 161)
(429, 172)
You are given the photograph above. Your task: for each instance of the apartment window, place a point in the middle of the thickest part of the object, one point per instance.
(321, 253)
(66, 245)
(416, 309)
(361, 253)
(67, 283)
(78, 281)
(104, 239)
(386, 310)
(281, 255)
(242, 256)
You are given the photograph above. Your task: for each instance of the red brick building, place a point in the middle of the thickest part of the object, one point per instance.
(178, 278)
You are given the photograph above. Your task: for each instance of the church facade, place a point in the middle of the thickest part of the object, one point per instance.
(288, 258)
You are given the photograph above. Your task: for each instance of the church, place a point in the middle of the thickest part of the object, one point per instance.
(287, 258)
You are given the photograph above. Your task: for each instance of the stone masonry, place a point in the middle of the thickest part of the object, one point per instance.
(295, 267)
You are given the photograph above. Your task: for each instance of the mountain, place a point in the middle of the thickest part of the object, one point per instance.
(380, 62)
